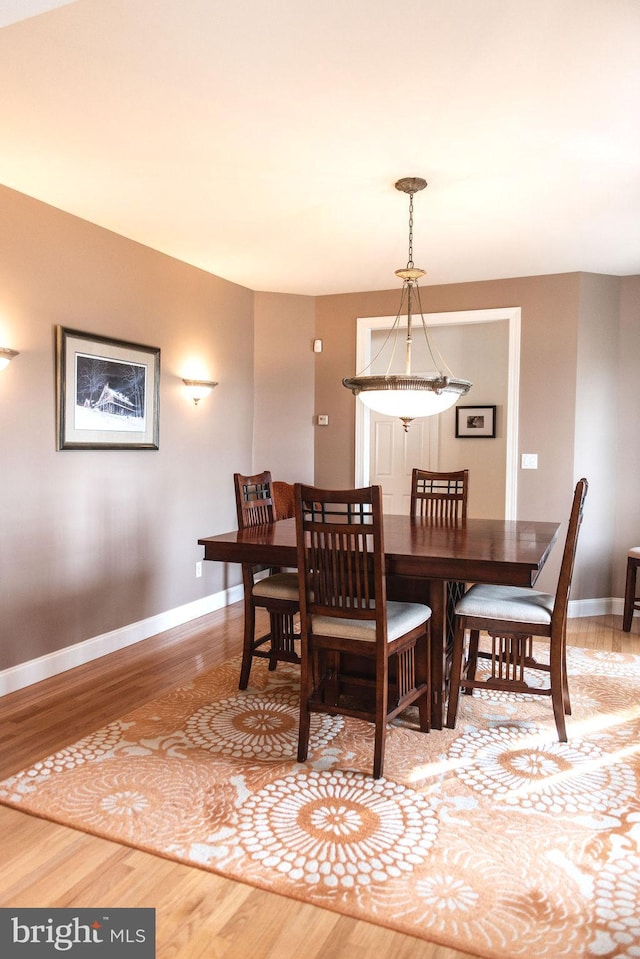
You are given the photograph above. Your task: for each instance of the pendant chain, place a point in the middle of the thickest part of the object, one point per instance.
(410, 261)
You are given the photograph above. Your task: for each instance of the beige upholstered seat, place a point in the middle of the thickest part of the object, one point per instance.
(401, 617)
(513, 617)
(277, 592)
(277, 586)
(631, 597)
(361, 655)
(519, 604)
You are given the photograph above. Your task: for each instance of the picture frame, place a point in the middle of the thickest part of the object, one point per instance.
(475, 422)
(108, 393)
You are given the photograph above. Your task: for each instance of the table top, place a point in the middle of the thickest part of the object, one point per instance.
(481, 550)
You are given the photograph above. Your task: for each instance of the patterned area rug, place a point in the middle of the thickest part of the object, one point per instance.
(492, 838)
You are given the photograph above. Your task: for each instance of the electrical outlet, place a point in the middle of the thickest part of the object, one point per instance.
(198, 570)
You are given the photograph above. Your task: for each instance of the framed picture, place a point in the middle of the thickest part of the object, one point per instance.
(108, 393)
(475, 421)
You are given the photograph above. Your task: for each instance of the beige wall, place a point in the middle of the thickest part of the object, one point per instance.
(283, 379)
(556, 317)
(95, 540)
(596, 438)
(626, 466)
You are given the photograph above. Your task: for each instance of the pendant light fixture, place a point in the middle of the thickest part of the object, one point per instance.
(409, 395)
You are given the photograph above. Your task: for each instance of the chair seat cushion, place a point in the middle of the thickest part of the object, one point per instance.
(277, 586)
(634, 552)
(509, 603)
(401, 618)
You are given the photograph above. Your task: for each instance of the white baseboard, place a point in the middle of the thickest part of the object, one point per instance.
(35, 670)
(595, 607)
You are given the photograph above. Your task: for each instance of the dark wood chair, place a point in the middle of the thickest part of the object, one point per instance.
(283, 499)
(277, 591)
(441, 496)
(631, 597)
(362, 655)
(513, 616)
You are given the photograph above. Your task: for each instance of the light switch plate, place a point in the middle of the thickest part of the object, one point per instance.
(323, 419)
(529, 461)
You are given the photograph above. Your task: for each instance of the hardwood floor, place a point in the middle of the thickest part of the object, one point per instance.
(198, 914)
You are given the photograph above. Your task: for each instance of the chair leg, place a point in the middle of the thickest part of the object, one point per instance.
(629, 594)
(378, 753)
(456, 675)
(247, 644)
(565, 679)
(558, 681)
(559, 713)
(306, 686)
(275, 629)
(381, 730)
(423, 673)
(472, 659)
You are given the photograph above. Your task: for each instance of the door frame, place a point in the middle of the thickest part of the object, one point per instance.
(366, 325)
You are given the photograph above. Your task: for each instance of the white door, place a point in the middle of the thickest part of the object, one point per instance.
(394, 453)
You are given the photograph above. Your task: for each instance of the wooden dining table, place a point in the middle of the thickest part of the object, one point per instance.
(422, 557)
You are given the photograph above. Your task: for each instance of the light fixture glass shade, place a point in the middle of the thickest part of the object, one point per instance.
(6, 355)
(407, 397)
(198, 389)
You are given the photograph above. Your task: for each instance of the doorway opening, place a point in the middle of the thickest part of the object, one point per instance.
(367, 326)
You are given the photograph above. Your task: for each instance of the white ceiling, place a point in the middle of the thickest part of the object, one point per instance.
(261, 140)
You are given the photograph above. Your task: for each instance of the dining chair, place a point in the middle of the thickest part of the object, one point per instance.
(514, 616)
(277, 591)
(283, 499)
(362, 655)
(631, 597)
(440, 496)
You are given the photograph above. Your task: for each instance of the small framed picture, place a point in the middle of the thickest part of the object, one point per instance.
(475, 421)
(108, 393)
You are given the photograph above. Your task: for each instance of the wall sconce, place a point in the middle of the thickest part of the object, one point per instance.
(198, 388)
(6, 356)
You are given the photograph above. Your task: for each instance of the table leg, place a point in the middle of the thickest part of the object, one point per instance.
(437, 600)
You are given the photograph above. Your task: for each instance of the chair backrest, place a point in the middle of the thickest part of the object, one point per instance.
(561, 604)
(254, 502)
(441, 496)
(283, 501)
(341, 553)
